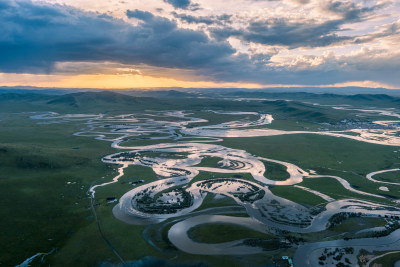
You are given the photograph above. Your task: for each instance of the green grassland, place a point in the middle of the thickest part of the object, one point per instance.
(354, 224)
(387, 260)
(211, 175)
(335, 190)
(36, 163)
(210, 201)
(39, 210)
(358, 100)
(391, 177)
(145, 142)
(275, 171)
(215, 118)
(125, 238)
(297, 195)
(219, 233)
(131, 174)
(349, 159)
(45, 173)
(211, 162)
(317, 152)
(114, 103)
(293, 125)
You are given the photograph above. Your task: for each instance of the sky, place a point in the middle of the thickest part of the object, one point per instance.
(199, 43)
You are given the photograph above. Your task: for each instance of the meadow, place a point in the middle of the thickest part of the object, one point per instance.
(46, 172)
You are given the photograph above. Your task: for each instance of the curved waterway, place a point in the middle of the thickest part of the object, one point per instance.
(178, 235)
(176, 159)
(370, 176)
(308, 254)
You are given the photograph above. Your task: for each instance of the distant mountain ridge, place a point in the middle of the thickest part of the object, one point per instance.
(304, 106)
(370, 100)
(80, 101)
(176, 91)
(96, 98)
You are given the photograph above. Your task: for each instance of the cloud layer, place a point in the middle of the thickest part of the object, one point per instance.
(336, 41)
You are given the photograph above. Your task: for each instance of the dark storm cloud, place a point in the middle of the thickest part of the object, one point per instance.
(33, 37)
(349, 11)
(138, 14)
(208, 20)
(294, 34)
(182, 4)
(282, 32)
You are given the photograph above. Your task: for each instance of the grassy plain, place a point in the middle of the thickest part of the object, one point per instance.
(391, 177)
(297, 195)
(219, 233)
(387, 260)
(354, 224)
(211, 162)
(45, 173)
(348, 159)
(275, 171)
(39, 209)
